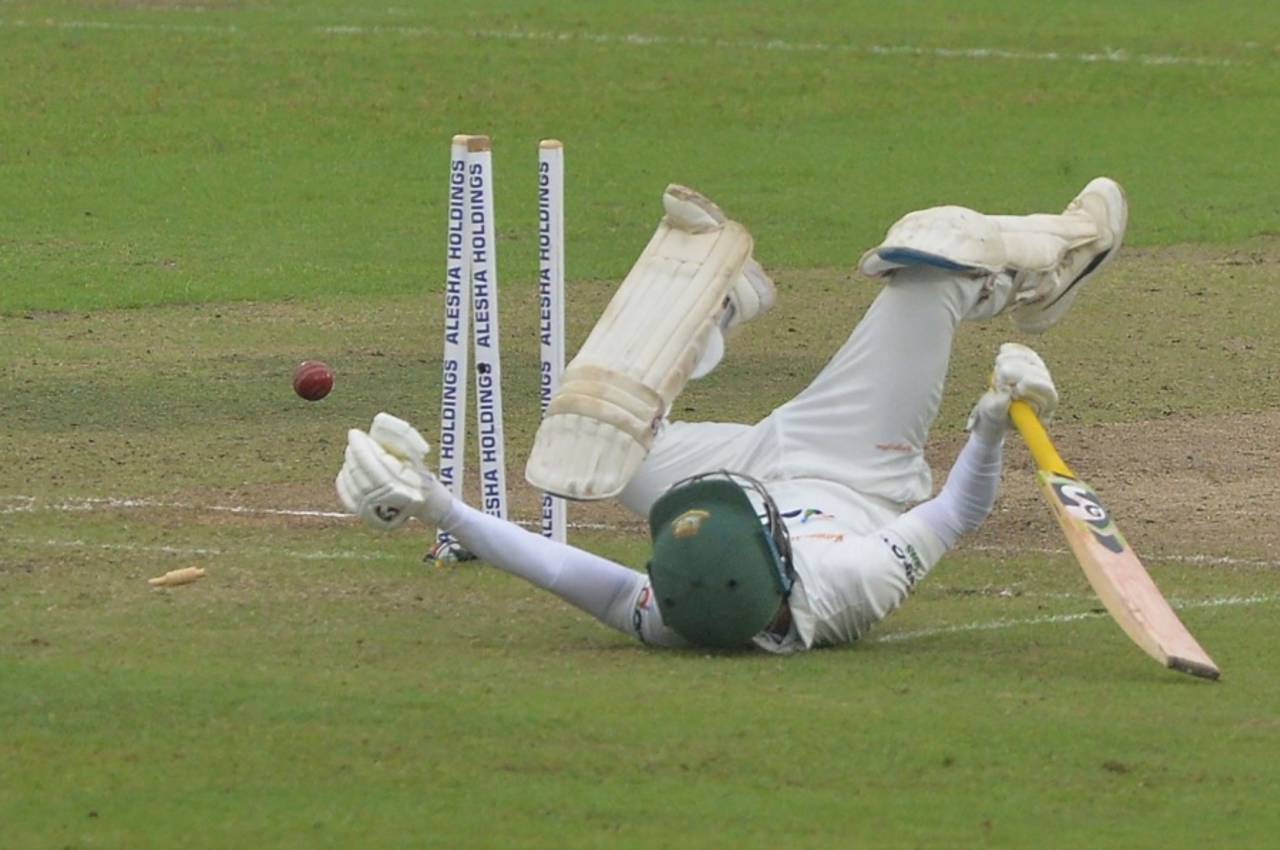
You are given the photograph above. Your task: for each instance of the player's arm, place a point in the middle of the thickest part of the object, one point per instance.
(385, 480)
(902, 553)
(970, 492)
(886, 565)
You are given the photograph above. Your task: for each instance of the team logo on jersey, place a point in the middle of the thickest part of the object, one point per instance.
(688, 524)
(807, 514)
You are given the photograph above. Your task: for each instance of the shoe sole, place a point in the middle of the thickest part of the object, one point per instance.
(690, 210)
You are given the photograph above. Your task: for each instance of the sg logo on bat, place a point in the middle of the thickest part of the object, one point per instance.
(1079, 501)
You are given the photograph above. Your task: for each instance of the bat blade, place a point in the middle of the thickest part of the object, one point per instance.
(1119, 578)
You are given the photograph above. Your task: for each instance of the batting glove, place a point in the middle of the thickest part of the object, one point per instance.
(1020, 374)
(385, 479)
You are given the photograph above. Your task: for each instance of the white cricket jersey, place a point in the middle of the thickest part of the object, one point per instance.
(856, 559)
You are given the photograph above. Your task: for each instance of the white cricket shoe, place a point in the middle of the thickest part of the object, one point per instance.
(1042, 298)
(752, 294)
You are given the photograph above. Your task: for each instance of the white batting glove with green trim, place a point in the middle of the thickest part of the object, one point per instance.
(385, 478)
(1020, 374)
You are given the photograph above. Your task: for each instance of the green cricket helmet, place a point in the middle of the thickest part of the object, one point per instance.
(719, 570)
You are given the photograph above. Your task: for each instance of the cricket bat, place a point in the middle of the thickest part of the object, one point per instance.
(1117, 576)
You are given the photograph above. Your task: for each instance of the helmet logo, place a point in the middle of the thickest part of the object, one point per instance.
(688, 524)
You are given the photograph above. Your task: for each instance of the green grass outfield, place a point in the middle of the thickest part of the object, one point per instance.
(193, 197)
(280, 150)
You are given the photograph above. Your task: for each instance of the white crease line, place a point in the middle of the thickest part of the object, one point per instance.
(1210, 560)
(781, 45)
(22, 504)
(29, 504)
(1222, 602)
(206, 552)
(1116, 56)
(117, 26)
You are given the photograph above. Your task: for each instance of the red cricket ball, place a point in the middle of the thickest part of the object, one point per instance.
(312, 380)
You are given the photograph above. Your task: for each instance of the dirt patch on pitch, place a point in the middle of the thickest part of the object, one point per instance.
(1184, 487)
(1185, 330)
(1181, 487)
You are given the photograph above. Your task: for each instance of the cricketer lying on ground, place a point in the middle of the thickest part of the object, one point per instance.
(385, 482)
(838, 472)
(662, 322)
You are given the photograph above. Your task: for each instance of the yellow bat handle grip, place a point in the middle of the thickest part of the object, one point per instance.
(1037, 439)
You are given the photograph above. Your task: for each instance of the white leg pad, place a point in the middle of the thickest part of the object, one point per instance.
(1031, 264)
(968, 242)
(954, 238)
(1038, 242)
(617, 390)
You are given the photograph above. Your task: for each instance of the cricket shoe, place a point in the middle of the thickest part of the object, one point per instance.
(1042, 298)
(752, 294)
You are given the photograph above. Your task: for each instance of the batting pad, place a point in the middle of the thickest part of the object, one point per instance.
(615, 393)
(961, 240)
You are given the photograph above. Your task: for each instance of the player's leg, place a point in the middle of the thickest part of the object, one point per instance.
(864, 420)
(1095, 221)
(1038, 262)
(664, 325)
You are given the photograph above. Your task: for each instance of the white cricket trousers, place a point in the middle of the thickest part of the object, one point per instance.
(862, 422)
